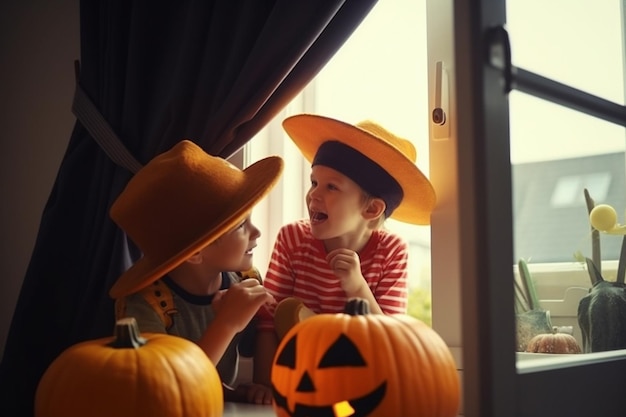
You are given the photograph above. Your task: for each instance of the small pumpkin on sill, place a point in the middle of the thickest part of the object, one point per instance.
(360, 364)
(130, 375)
(554, 342)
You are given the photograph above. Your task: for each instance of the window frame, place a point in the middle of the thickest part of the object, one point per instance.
(472, 233)
(495, 384)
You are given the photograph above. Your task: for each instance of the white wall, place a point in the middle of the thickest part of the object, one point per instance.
(39, 41)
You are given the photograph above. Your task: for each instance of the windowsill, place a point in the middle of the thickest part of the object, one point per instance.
(561, 286)
(553, 279)
(536, 362)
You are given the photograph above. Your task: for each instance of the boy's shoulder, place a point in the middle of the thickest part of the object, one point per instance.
(158, 295)
(300, 224)
(386, 234)
(387, 239)
(300, 228)
(161, 298)
(297, 236)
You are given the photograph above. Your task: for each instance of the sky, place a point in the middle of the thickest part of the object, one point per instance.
(575, 42)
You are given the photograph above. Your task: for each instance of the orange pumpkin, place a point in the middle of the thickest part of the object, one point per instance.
(157, 375)
(553, 343)
(360, 364)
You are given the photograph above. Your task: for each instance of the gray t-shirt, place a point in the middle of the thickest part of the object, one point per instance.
(191, 317)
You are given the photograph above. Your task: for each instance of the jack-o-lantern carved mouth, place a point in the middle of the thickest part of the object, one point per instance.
(342, 353)
(362, 406)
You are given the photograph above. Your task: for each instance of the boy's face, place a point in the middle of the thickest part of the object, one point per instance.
(233, 250)
(335, 203)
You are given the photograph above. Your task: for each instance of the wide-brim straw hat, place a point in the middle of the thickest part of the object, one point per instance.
(180, 202)
(397, 156)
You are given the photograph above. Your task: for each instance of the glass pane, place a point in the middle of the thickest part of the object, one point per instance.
(575, 42)
(558, 153)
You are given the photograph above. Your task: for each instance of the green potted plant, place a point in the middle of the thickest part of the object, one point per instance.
(602, 312)
(531, 320)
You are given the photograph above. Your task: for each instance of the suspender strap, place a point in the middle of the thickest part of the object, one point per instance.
(160, 298)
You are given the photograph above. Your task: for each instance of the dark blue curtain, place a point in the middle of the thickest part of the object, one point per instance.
(214, 72)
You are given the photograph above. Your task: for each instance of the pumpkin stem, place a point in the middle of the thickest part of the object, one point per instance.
(127, 334)
(357, 307)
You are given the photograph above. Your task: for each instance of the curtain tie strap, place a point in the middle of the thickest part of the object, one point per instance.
(91, 118)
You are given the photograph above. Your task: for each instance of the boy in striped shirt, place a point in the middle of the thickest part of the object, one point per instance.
(360, 175)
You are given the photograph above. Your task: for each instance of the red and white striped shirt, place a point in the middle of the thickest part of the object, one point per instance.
(298, 268)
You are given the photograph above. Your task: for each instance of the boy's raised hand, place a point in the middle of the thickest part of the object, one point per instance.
(248, 393)
(239, 303)
(346, 265)
(234, 308)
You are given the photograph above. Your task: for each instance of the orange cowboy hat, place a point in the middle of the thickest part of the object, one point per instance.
(180, 202)
(391, 155)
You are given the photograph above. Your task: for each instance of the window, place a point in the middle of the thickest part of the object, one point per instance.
(379, 74)
(558, 152)
(548, 150)
(493, 132)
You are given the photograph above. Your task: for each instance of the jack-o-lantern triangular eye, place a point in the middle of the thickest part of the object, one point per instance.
(343, 352)
(287, 356)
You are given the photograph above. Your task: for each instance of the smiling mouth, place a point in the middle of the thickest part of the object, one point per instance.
(318, 217)
(362, 406)
(249, 251)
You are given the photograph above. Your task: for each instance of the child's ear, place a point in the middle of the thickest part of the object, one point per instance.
(374, 209)
(196, 258)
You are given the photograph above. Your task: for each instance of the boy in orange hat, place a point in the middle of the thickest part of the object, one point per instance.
(360, 175)
(189, 214)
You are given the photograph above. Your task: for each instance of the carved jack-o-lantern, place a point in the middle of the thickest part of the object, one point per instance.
(359, 364)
